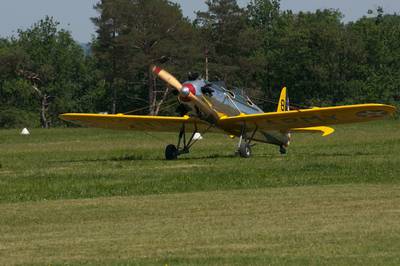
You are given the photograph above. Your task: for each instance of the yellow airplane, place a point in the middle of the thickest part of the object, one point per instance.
(210, 106)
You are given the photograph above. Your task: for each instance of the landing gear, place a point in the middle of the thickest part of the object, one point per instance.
(245, 150)
(244, 147)
(172, 152)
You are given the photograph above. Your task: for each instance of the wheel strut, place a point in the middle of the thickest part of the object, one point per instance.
(244, 147)
(172, 152)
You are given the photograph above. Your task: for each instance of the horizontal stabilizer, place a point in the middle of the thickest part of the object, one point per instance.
(325, 131)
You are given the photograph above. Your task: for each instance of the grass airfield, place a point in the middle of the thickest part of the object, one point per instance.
(92, 197)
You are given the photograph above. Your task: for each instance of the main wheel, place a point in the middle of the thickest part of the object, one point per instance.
(282, 150)
(244, 150)
(171, 152)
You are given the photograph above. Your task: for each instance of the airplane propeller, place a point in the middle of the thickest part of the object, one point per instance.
(186, 91)
(167, 77)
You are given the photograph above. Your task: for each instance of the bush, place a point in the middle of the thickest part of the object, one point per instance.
(17, 118)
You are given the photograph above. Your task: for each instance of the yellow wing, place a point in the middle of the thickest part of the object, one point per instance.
(308, 118)
(138, 123)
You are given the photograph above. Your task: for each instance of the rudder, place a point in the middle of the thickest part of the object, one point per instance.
(283, 104)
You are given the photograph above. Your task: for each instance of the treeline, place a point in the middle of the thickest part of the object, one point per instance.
(260, 48)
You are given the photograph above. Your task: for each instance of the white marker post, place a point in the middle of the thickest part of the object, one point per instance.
(25, 132)
(197, 136)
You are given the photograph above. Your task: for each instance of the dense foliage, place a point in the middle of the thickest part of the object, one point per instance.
(260, 48)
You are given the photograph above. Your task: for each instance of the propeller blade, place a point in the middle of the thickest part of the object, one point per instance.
(167, 77)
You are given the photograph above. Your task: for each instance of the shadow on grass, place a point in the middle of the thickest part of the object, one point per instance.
(125, 158)
(135, 157)
(340, 154)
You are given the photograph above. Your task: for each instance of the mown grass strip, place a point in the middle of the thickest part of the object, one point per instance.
(341, 224)
(89, 163)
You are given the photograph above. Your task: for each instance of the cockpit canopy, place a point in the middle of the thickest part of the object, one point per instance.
(234, 98)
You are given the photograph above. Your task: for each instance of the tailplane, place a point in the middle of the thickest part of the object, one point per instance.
(283, 104)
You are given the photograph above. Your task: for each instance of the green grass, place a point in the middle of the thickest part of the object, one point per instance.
(86, 163)
(344, 224)
(88, 196)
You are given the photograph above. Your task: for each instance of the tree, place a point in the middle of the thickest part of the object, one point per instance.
(16, 96)
(266, 20)
(55, 68)
(134, 35)
(307, 52)
(229, 40)
(379, 36)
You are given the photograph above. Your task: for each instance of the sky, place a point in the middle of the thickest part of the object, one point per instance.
(74, 15)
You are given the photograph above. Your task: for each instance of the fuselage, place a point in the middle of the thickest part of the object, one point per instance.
(227, 102)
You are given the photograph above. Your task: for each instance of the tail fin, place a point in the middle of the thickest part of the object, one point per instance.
(283, 104)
